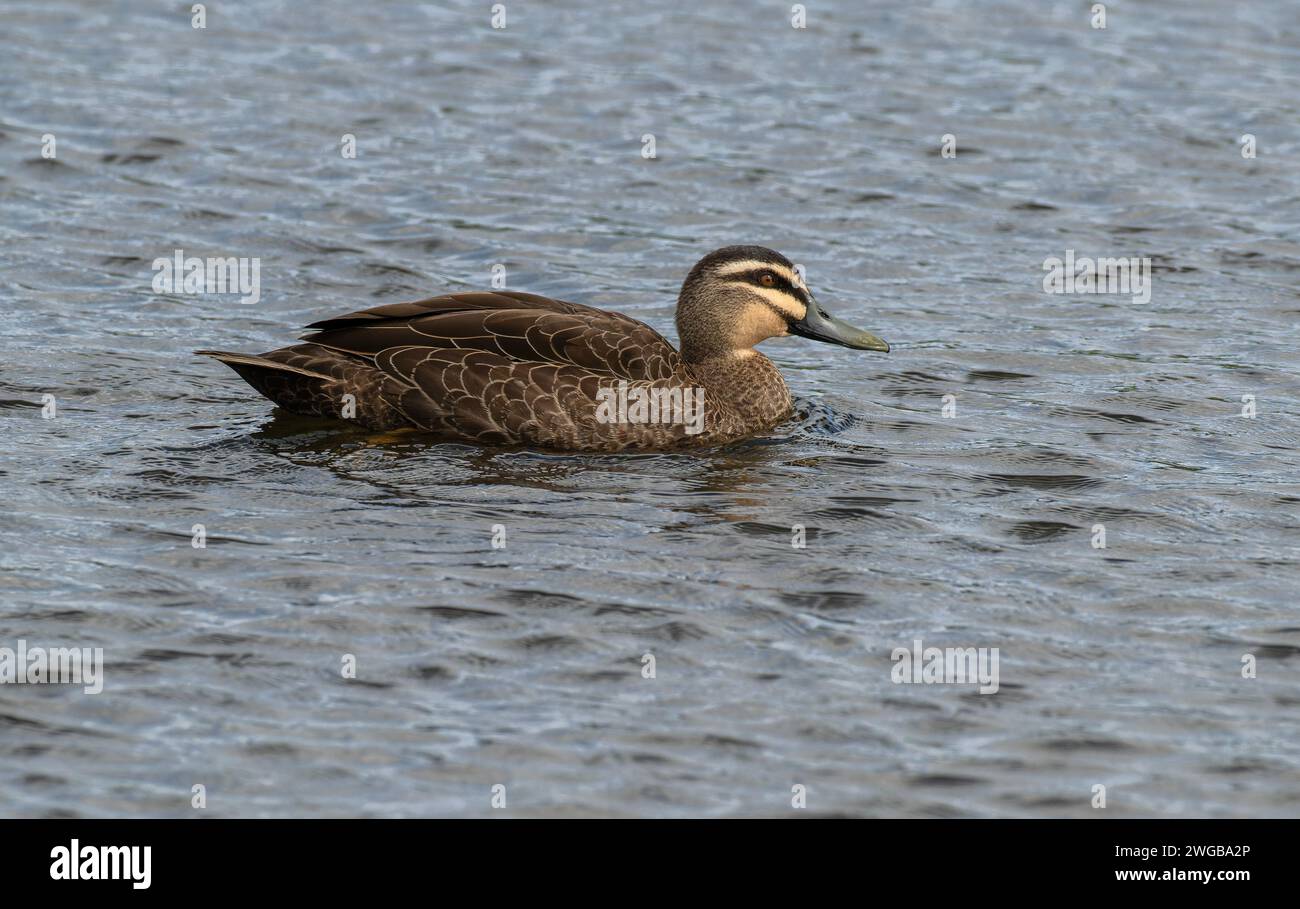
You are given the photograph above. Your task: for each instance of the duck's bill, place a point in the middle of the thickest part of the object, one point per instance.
(821, 326)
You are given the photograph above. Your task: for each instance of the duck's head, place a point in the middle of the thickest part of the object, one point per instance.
(737, 296)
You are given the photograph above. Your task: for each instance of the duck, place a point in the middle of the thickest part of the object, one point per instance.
(508, 368)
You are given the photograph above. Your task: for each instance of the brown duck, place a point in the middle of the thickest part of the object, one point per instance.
(504, 367)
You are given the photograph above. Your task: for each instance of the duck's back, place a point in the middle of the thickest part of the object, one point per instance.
(490, 368)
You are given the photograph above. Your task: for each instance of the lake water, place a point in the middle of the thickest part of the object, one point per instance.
(523, 666)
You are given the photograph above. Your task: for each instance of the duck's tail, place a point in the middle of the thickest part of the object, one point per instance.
(244, 364)
(295, 388)
(318, 381)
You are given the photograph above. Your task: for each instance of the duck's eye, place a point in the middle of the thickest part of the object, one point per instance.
(767, 279)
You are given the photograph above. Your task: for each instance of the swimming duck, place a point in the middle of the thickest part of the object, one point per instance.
(506, 367)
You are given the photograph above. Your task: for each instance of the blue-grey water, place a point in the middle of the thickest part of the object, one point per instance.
(1126, 666)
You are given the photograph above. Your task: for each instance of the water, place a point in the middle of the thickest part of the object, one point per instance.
(522, 666)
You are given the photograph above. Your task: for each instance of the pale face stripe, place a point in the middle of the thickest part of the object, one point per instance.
(734, 268)
(784, 303)
(789, 306)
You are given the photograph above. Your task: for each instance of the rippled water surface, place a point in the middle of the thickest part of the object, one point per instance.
(522, 666)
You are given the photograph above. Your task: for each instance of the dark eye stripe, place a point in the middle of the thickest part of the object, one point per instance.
(776, 309)
(755, 277)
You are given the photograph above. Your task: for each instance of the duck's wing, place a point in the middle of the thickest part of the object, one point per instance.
(507, 367)
(476, 300)
(524, 328)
